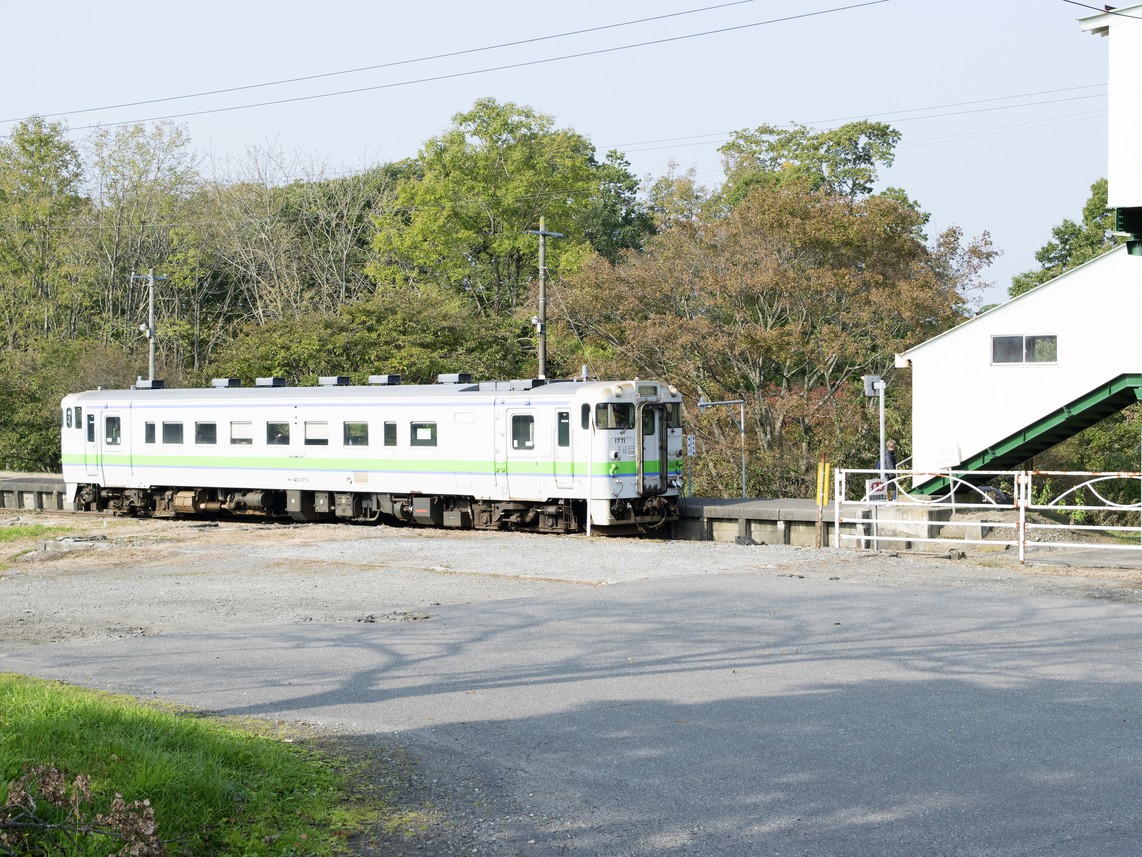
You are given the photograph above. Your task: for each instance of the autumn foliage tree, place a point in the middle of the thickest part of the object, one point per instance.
(784, 303)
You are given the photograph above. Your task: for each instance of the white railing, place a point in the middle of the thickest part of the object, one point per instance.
(882, 514)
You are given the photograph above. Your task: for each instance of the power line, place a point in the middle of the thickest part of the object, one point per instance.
(506, 67)
(1106, 10)
(393, 64)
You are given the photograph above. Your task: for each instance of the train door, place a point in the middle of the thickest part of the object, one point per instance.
(500, 442)
(91, 445)
(521, 454)
(103, 438)
(651, 448)
(563, 459)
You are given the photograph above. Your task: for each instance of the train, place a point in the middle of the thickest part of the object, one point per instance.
(556, 456)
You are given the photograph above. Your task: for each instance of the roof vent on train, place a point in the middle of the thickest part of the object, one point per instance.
(226, 382)
(269, 382)
(457, 378)
(384, 380)
(148, 384)
(333, 381)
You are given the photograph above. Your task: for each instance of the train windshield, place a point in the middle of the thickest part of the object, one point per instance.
(614, 415)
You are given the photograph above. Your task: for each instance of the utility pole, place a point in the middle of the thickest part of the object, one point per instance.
(148, 329)
(540, 321)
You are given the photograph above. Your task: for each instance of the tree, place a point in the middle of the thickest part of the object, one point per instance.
(486, 181)
(40, 197)
(784, 303)
(1072, 243)
(415, 334)
(842, 161)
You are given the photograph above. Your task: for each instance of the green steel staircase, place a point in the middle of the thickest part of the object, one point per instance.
(1055, 427)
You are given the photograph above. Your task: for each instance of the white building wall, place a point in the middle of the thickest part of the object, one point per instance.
(962, 403)
(1124, 102)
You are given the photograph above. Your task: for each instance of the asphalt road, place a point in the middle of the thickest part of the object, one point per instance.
(627, 698)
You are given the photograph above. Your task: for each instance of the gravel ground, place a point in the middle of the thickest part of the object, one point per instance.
(97, 579)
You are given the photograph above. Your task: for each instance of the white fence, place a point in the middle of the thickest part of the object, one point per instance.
(886, 515)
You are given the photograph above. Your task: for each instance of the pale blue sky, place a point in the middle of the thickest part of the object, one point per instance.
(1002, 104)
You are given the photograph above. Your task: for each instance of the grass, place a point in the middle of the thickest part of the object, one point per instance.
(216, 788)
(19, 532)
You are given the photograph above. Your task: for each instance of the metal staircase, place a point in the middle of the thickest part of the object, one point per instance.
(1054, 428)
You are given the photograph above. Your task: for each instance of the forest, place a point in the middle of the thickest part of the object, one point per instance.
(780, 287)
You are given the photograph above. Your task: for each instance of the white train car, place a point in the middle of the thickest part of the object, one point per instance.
(556, 456)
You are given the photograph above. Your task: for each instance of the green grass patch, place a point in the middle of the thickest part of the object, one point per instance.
(215, 788)
(19, 532)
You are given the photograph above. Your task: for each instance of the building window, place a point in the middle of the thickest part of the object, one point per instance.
(172, 432)
(356, 434)
(1024, 349)
(523, 431)
(422, 434)
(206, 433)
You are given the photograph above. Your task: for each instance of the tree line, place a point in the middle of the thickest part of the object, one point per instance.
(781, 286)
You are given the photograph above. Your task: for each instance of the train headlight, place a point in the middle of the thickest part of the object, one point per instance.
(617, 389)
(673, 390)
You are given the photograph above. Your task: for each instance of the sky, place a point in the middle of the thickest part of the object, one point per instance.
(1001, 103)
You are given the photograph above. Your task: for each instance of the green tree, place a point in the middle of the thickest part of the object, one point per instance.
(1072, 243)
(842, 161)
(415, 334)
(463, 224)
(40, 198)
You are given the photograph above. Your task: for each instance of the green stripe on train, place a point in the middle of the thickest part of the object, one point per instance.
(386, 465)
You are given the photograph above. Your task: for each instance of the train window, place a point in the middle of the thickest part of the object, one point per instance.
(91, 428)
(149, 433)
(277, 434)
(356, 434)
(523, 431)
(112, 430)
(390, 434)
(317, 434)
(585, 416)
(206, 433)
(647, 421)
(563, 434)
(241, 433)
(78, 417)
(614, 415)
(422, 434)
(172, 432)
(67, 416)
(674, 412)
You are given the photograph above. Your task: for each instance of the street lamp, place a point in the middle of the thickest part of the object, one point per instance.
(703, 404)
(874, 385)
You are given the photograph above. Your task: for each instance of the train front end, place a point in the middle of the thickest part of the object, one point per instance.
(636, 456)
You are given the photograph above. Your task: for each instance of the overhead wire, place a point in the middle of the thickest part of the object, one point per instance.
(393, 64)
(490, 69)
